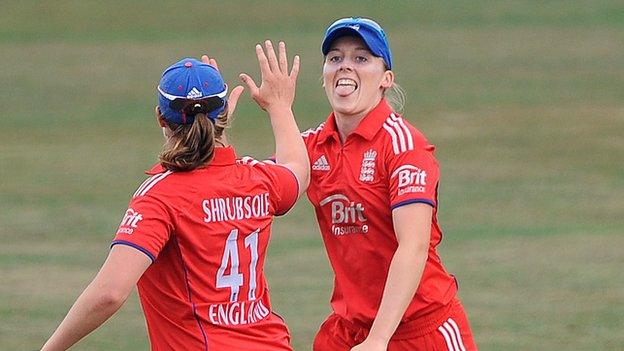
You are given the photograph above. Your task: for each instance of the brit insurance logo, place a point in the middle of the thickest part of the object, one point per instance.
(411, 179)
(347, 216)
(367, 172)
(129, 222)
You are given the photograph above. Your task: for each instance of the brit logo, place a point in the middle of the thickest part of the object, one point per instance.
(321, 164)
(367, 173)
(347, 217)
(129, 222)
(194, 94)
(411, 179)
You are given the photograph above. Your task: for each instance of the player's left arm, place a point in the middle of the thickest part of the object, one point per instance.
(412, 225)
(102, 298)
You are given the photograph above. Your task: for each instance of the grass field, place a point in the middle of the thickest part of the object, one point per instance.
(524, 100)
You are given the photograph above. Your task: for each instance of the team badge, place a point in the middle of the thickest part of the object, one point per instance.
(367, 172)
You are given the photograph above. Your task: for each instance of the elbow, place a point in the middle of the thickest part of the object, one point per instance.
(417, 252)
(302, 173)
(305, 181)
(109, 300)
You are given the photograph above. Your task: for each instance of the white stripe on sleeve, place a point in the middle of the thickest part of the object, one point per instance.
(157, 179)
(395, 144)
(143, 185)
(400, 132)
(452, 334)
(456, 329)
(447, 338)
(410, 140)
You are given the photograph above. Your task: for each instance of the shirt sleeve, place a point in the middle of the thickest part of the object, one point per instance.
(413, 176)
(284, 187)
(146, 226)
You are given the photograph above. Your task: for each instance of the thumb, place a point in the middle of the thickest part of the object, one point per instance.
(233, 99)
(251, 85)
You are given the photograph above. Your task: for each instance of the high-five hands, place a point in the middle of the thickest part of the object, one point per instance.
(234, 93)
(277, 89)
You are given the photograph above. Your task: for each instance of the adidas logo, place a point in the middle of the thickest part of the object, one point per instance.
(321, 164)
(194, 94)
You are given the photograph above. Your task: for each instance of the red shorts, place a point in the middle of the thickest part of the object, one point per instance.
(270, 334)
(444, 329)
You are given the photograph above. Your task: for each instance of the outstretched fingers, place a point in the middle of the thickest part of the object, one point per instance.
(273, 64)
(210, 61)
(283, 59)
(294, 72)
(262, 61)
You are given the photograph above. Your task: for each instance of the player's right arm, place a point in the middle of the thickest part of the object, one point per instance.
(102, 298)
(142, 233)
(276, 95)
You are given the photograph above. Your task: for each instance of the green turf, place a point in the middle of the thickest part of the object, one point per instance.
(524, 100)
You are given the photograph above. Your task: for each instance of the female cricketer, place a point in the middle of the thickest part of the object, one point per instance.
(195, 234)
(373, 184)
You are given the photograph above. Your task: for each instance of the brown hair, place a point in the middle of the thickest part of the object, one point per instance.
(192, 146)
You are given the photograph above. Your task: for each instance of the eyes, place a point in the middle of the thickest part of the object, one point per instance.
(337, 58)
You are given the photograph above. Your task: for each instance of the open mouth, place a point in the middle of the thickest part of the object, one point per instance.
(345, 86)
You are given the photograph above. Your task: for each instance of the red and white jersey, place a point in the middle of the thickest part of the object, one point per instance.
(385, 163)
(207, 232)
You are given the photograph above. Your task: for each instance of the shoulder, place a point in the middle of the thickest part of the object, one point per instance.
(171, 189)
(153, 184)
(311, 135)
(401, 136)
(266, 168)
(268, 174)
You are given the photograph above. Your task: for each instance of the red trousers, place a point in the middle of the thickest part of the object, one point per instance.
(445, 329)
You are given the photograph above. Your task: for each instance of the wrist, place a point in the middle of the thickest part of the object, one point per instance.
(278, 109)
(378, 338)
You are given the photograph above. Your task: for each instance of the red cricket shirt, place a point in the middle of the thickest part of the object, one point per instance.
(385, 163)
(207, 232)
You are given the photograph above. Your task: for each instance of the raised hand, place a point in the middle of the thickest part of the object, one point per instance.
(234, 93)
(277, 89)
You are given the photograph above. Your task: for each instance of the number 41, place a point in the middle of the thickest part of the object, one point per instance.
(234, 280)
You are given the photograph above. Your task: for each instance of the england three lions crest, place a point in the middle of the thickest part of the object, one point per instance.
(367, 172)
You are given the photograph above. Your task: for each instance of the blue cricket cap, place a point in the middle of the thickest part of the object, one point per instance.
(189, 87)
(370, 31)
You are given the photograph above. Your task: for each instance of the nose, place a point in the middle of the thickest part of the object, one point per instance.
(346, 65)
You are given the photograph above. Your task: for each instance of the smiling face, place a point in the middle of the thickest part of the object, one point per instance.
(353, 78)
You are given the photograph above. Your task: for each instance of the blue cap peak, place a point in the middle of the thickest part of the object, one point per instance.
(370, 31)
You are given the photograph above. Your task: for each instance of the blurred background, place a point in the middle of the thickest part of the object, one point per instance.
(523, 99)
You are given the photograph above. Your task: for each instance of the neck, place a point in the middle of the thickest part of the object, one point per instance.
(347, 123)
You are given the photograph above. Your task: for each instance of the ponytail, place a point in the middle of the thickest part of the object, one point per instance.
(396, 97)
(192, 145)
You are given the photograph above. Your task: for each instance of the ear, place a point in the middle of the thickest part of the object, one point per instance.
(387, 80)
(159, 118)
